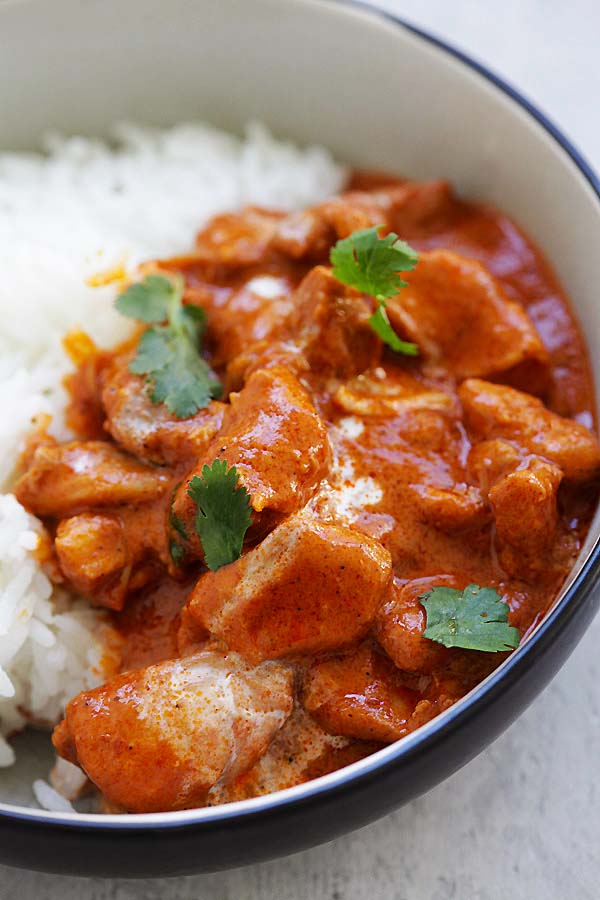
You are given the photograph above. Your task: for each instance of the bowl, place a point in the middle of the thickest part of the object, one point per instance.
(378, 92)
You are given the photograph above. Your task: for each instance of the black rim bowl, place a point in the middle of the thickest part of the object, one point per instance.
(289, 821)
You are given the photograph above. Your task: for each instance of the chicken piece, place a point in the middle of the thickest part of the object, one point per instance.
(426, 435)
(491, 460)
(524, 505)
(237, 239)
(461, 319)
(301, 751)
(108, 556)
(311, 232)
(359, 696)
(496, 411)
(331, 326)
(411, 209)
(381, 393)
(64, 479)
(255, 310)
(401, 621)
(264, 355)
(451, 510)
(307, 588)
(93, 554)
(159, 738)
(420, 209)
(148, 429)
(276, 440)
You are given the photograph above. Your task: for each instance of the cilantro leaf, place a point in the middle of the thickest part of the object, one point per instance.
(371, 264)
(176, 523)
(223, 515)
(177, 552)
(176, 549)
(179, 377)
(380, 324)
(147, 300)
(169, 355)
(475, 619)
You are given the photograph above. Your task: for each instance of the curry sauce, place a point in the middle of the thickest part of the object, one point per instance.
(372, 478)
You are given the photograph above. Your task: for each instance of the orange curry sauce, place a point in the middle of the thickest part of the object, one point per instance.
(373, 477)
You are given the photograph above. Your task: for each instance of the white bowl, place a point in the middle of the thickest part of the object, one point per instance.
(379, 94)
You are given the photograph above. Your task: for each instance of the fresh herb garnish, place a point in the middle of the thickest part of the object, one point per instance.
(475, 619)
(177, 552)
(224, 513)
(371, 264)
(169, 354)
(148, 300)
(175, 522)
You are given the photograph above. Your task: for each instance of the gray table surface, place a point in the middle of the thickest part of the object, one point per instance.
(522, 821)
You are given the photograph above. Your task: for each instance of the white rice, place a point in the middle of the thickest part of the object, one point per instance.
(50, 799)
(80, 208)
(51, 646)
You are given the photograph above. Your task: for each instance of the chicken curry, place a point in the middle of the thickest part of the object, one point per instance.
(332, 479)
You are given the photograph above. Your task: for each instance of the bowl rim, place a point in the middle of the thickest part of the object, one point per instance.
(510, 671)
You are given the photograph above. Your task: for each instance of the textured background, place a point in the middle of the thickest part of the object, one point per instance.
(522, 821)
